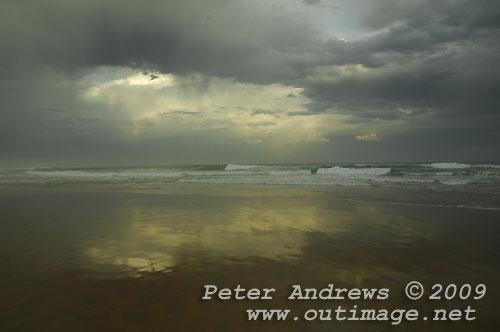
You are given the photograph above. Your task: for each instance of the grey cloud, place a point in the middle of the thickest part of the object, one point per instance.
(438, 59)
(186, 112)
(241, 40)
(260, 124)
(263, 111)
(311, 2)
(452, 13)
(435, 54)
(300, 113)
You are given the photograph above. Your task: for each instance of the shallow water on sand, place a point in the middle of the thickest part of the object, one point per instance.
(137, 260)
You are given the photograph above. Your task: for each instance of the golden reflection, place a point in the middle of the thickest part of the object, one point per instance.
(157, 237)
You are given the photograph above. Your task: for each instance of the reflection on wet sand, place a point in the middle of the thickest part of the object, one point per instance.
(156, 238)
(238, 232)
(138, 261)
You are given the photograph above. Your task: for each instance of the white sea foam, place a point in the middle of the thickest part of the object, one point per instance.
(454, 182)
(353, 171)
(85, 174)
(447, 165)
(318, 180)
(487, 166)
(297, 172)
(235, 167)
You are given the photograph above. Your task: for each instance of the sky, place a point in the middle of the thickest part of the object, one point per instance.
(152, 82)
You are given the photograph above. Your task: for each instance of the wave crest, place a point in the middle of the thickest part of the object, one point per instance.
(235, 167)
(448, 165)
(353, 171)
(83, 174)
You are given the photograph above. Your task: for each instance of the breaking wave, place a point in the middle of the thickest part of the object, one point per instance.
(487, 166)
(448, 165)
(85, 174)
(460, 176)
(235, 167)
(353, 171)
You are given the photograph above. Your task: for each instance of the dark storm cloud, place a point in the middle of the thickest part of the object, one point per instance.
(216, 37)
(422, 59)
(452, 13)
(231, 39)
(430, 54)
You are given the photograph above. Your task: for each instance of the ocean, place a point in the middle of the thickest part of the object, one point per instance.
(423, 175)
(481, 180)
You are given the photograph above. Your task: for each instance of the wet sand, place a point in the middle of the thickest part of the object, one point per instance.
(137, 259)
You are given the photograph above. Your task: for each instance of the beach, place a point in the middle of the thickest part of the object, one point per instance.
(249, 166)
(136, 257)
